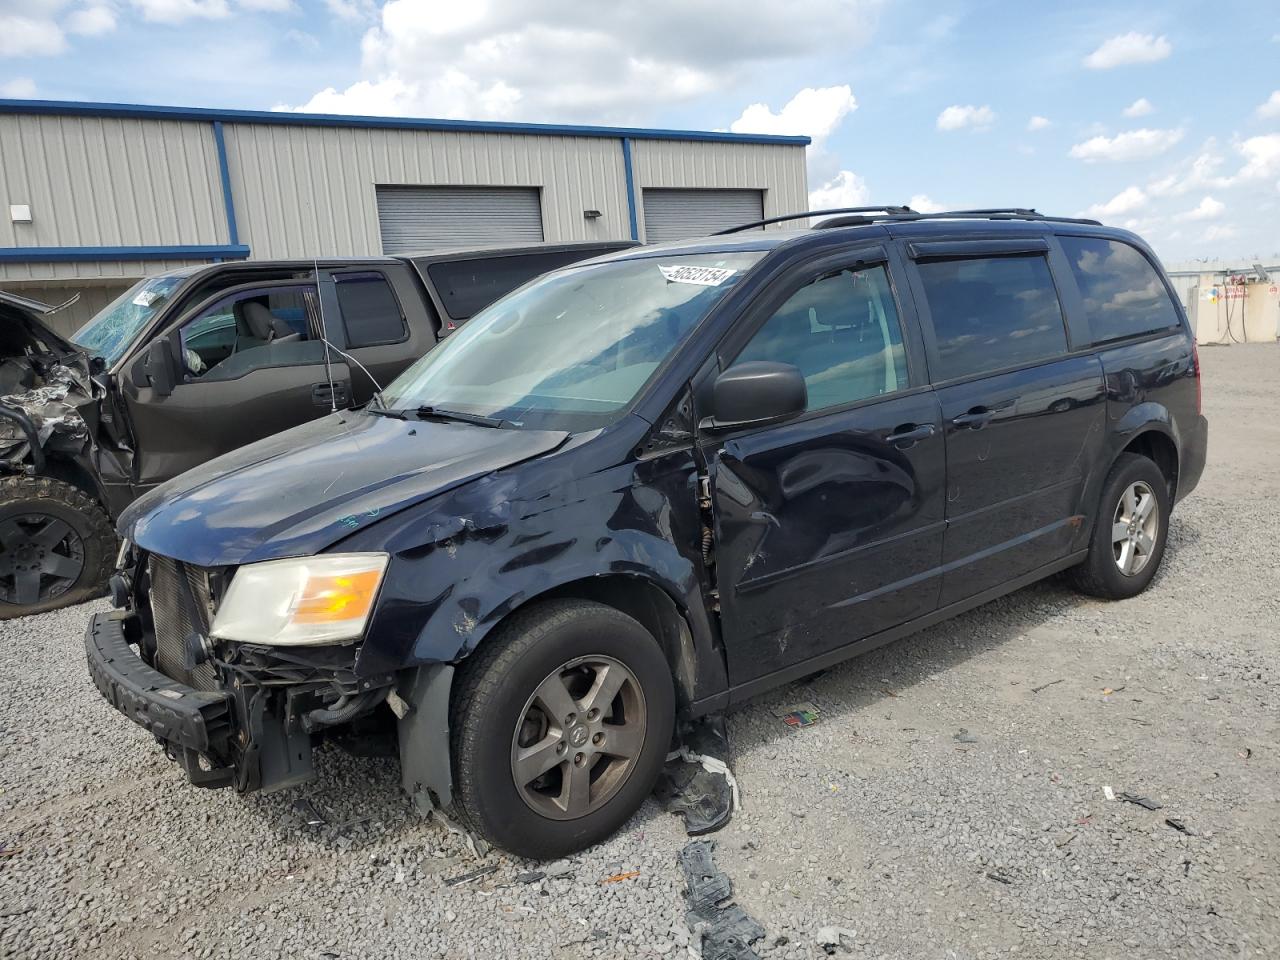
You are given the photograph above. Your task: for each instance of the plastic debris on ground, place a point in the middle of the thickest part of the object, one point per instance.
(832, 939)
(1144, 802)
(964, 736)
(803, 714)
(619, 877)
(723, 928)
(473, 875)
(697, 782)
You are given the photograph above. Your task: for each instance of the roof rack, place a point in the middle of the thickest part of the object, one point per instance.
(891, 211)
(858, 216)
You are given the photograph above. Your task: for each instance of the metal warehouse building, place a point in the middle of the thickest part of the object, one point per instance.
(99, 195)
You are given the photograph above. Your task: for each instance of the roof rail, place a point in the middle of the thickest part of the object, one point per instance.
(858, 216)
(891, 210)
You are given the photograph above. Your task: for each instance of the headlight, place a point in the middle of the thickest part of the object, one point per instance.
(303, 601)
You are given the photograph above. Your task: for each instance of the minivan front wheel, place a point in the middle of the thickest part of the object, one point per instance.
(1129, 533)
(560, 724)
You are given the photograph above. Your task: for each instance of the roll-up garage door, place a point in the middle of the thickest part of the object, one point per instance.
(418, 218)
(677, 214)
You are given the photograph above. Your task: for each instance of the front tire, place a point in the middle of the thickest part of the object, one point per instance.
(560, 725)
(56, 546)
(1129, 533)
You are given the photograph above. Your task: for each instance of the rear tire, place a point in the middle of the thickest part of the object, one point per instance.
(575, 699)
(57, 547)
(1129, 532)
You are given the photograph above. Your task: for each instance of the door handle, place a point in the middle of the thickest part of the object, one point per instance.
(909, 434)
(328, 395)
(975, 419)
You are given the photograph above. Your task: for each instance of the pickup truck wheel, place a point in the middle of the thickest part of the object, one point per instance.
(560, 725)
(1129, 533)
(56, 546)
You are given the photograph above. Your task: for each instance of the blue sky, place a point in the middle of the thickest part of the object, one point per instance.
(1164, 117)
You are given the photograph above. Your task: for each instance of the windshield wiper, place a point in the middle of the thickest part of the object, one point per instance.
(376, 407)
(440, 413)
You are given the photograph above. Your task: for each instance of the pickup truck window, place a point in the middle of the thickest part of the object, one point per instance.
(117, 325)
(573, 348)
(369, 309)
(249, 330)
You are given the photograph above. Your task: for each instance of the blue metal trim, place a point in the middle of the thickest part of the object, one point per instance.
(58, 254)
(233, 234)
(286, 118)
(631, 187)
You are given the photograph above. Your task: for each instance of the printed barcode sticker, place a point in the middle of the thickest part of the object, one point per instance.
(702, 276)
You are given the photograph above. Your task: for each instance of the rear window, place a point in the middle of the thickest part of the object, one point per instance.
(1123, 294)
(370, 310)
(468, 286)
(991, 313)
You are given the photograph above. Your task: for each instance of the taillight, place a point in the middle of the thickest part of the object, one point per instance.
(1195, 358)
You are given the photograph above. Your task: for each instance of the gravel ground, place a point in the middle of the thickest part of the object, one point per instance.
(881, 818)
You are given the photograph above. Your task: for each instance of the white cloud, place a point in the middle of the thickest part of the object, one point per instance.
(179, 11)
(957, 117)
(1139, 108)
(1132, 145)
(19, 88)
(1039, 123)
(1220, 232)
(1128, 48)
(25, 36)
(845, 189)
(92, 20)
(267, 6)
(562, 60)
(923, 203)
(1262, 157)
(352, 9)
(1207, 209)
(1270, 108)
(813, 112)
(1126, 201)
(1198, 172)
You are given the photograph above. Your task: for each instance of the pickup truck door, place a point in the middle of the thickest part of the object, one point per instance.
(828, 527)
(252, 364)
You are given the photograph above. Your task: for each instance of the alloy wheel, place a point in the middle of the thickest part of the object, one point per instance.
(578, 738)
(41, 557)
(1135, 528)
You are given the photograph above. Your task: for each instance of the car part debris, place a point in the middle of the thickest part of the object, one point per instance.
(832, 939)
(999, 878)
(1145, 802)
(964, 736)
(723, 928)
(1179, 825)
(473, 875)
(310, 815)
(697, 782)
(533, 876)
(1108, 792)
(799, 714)
(619, 877)
(1045, 686)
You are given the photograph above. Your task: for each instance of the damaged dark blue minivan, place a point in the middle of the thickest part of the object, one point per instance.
(645, 488)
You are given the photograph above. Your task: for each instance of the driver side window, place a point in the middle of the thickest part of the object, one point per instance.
(841, 330)
(249, 330)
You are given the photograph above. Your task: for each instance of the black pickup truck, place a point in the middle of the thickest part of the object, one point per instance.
(193, 363)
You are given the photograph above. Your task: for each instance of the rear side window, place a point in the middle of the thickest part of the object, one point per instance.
(1123, 294)
(468, 286)
(991, 313)
(370, 310)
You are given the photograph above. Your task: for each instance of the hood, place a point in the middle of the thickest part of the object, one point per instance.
(23, 314)
(299, 492)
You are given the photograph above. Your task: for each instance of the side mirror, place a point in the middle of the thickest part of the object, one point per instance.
(159, 366)
(757, 392)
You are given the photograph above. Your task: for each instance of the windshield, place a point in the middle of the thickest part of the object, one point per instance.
(572, 349)
(115, 326)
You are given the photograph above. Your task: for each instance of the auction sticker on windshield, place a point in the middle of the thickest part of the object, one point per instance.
(702, 276)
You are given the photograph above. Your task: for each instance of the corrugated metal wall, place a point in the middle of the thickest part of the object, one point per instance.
(778, 170)
(106, 181)
(310, 191)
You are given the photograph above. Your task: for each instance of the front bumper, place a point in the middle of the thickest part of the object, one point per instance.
(195, 725)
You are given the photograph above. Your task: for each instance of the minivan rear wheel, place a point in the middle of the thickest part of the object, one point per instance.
(1129, 533)
(560, 724)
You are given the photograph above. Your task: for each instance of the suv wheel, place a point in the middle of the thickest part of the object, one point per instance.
(56, 546)
(560, 726)
(1130, 531)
